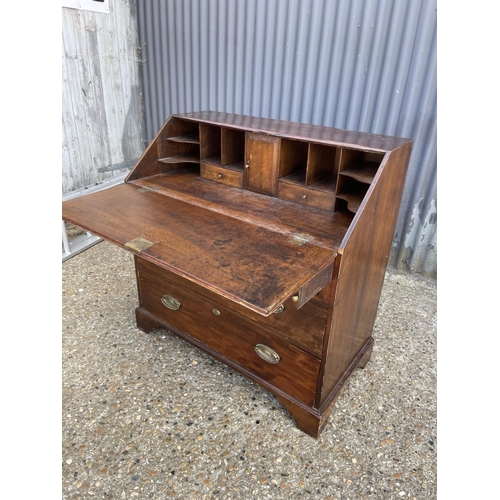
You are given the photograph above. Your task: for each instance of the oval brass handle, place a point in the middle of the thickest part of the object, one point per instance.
(170, 302)
(279, 309)
(267, 354)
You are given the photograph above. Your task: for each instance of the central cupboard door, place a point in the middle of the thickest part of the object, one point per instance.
(261, 163)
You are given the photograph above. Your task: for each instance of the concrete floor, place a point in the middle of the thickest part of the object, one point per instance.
(150, 417)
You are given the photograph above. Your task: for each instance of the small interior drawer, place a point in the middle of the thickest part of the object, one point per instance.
(223, 175)
(314, 198)
(244, 342)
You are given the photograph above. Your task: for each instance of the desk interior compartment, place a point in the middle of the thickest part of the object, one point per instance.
(357, 170)
(233, 149)
(293, 162)
(179, 144)
(222, 155)
(307, 174)
(210, 144)
(322, 168)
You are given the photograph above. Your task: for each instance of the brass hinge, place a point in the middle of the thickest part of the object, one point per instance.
(145, 189)
(301, 239)
(137, 245)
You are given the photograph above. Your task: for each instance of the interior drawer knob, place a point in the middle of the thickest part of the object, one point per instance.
(267, 354)
(170, 302)
(279, 309)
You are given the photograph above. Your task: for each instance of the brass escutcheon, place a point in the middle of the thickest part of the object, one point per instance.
(216, 311)
(170, 302)
(267, 354)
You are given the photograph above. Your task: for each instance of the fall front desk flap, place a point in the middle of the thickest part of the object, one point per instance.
(255, 266)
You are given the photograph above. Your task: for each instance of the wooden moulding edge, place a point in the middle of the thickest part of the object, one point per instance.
(358, 362)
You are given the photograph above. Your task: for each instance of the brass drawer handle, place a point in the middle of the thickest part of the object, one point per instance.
(170, 302)
(267, 354)
(279, 309)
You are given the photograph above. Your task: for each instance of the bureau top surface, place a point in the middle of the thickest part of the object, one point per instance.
(302, 131)
(254, 264)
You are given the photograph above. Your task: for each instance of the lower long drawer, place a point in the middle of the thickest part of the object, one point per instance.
(266, 355)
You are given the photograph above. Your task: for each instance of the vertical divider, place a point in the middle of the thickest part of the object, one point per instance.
(336, 168)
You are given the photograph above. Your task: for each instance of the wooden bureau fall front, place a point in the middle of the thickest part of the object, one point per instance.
(262, 242)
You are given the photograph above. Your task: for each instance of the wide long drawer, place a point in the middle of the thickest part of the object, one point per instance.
(304, 327)
(251, 345)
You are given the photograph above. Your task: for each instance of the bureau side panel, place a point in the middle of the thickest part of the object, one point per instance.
(148, 165)
(363, 263)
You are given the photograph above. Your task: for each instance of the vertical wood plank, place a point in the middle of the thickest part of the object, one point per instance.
(112, 96)
(94, 103)
(74, 123)
(102, 114)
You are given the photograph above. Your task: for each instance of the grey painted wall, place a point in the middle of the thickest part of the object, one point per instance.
(102, 120)
(363, 65)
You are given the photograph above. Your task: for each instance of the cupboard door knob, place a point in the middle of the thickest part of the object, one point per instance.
(267, 354)
(247, 164)
(216, 311)
(170, 302)
(219, 176)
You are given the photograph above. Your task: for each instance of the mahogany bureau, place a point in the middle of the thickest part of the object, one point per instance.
(262, 242)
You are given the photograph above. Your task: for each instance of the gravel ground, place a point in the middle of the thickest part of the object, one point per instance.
(148, 416)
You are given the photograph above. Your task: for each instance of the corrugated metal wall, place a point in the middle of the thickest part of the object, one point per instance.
(102, 119)
(363, 65)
